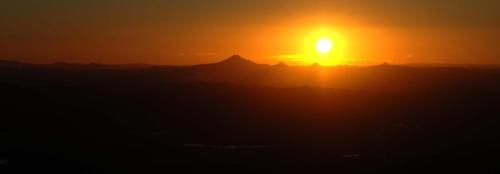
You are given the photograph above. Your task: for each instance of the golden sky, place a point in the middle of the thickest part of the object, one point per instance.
(200, 31)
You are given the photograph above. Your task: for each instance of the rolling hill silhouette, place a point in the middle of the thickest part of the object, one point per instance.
(237, 116)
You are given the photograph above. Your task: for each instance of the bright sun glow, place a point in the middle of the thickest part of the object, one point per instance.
(324, 45)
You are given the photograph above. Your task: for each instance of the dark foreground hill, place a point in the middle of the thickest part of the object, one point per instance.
(236, 116)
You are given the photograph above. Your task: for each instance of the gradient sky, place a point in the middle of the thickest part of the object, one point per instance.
(267, 31)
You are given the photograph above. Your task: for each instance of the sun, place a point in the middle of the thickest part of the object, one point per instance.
(324, 45)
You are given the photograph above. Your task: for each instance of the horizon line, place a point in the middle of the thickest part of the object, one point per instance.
(445, 64)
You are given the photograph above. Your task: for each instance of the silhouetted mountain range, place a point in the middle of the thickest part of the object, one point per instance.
(238, 70)
(236, 116)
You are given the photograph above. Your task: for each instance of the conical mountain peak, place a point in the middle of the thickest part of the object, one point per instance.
(236, 60)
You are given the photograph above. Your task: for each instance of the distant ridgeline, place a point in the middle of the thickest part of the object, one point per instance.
(237, 70)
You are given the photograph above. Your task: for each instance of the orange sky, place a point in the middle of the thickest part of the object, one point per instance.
(195, 31)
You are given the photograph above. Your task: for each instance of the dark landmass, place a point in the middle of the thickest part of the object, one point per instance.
(236, 116)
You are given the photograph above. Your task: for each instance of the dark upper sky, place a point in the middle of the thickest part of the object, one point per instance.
(199, 31)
